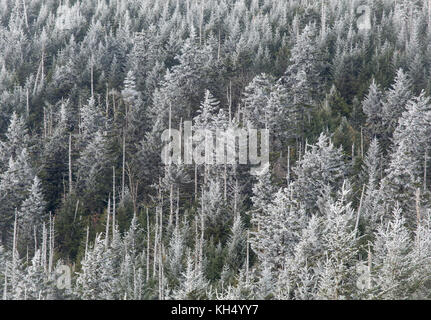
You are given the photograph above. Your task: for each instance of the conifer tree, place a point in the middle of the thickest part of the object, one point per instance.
(391, 264)
(372, 208)
(14, 186)
(373, 109)
(193, 285)
(32, 216)
(236, 246)
(17, 139)
(277, 229)
(407, 165)
(395, 102)
(336, 277)
(321, 167)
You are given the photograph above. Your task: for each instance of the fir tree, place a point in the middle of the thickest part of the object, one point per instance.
(321, 167)
(32, 216)
(373, 109)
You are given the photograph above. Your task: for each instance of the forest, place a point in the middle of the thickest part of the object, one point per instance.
(89, 211)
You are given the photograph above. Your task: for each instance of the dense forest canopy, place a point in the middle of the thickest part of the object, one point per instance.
(88, 87)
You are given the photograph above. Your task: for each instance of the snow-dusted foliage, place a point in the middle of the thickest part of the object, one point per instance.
(89, 89)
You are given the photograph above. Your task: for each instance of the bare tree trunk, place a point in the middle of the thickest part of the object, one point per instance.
(27, 103)
(205, 173)
(50, 122)
(51, 243)
(180, 160)
(25, 13)
(76, 210)
(107, 223)
(418, 207)
(353, 153)
(113, 105)
(247, 261)
(219, 45)
(86, 242)
(359, 209)
(196, 239)
(15, 230)
(35, 238)
(229, 99)
(288, 166)
(113, 201)
(235, 200)
(148, 248)
(123, 178)
(133, 187)
(196, 182)
(177, 211)
(425, 169)
(161, 285)
(107, 102)
(171, 205)
(70, 164)
(155, 246)
(44, 123)
(201, 23)
(225, 182)
(37, 77)
(201, 245)
(370, 257)
(44, 248)
(5, 285)
(161, 211)
(429, 12)
(92, 78)
(42, 63)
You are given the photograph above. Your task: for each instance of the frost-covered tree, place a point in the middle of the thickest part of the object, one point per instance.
(391, 265)
(214, 209)
(94, 169)
(88, 87)
(32, 216)
(17, 139)
(302, 77)
(372, 209)
(137, 121)
(265, 287)
(193, 285)
(236, 246)
(263, 191)
(336, 277)
(395, 102)
(277, 229)
(415, 57)
(373, 109)
(14, 185)
(298, 279)
(256, 99)
(210, 115)
(183, 85)
(91, 121)
(96, 281)
(421, 257)
(176, 254)
(321, 166)
(35, 283)
(408, 166)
